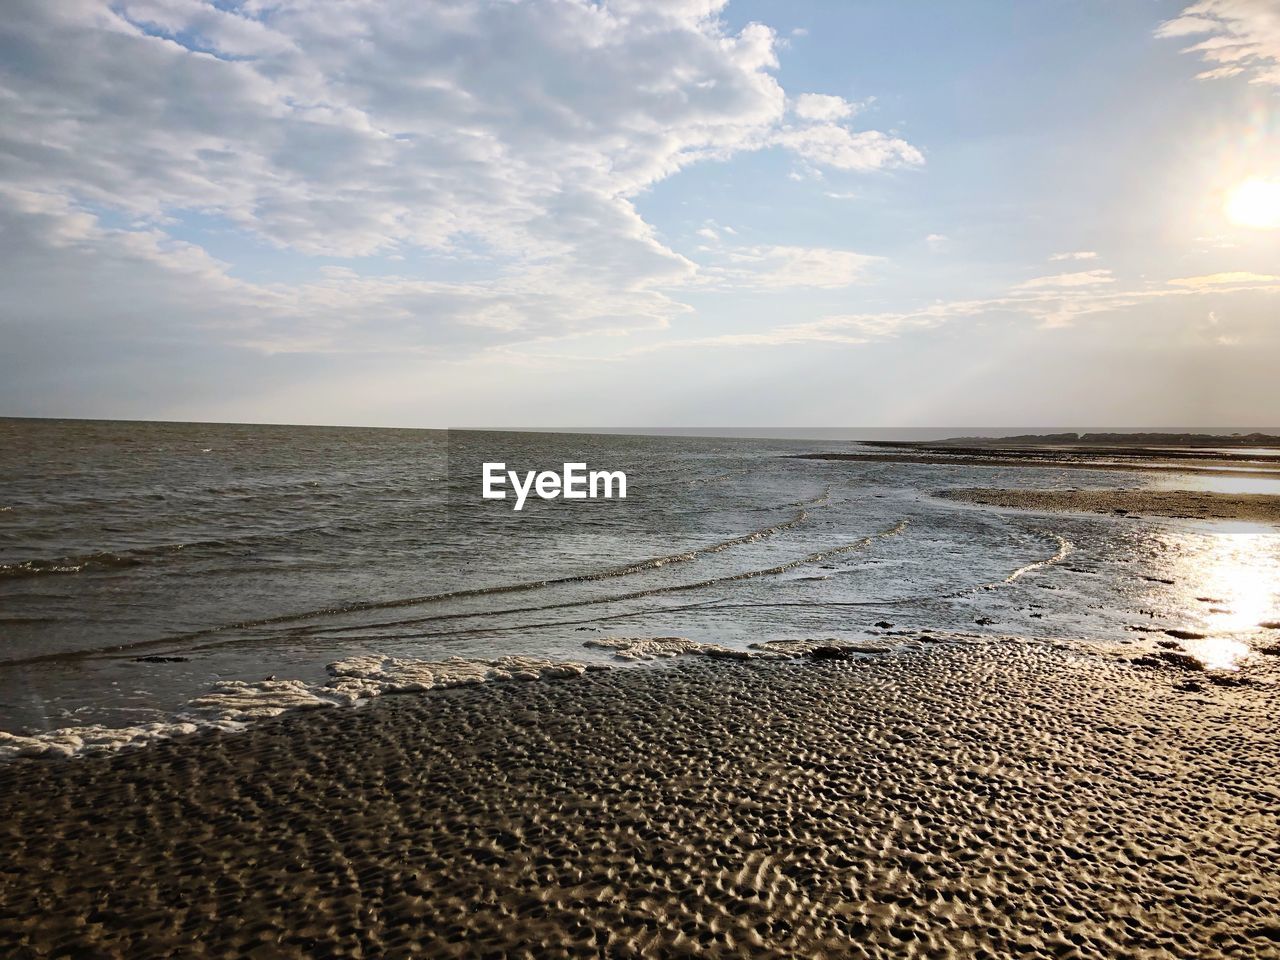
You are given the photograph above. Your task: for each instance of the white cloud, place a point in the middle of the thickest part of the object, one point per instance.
(821, 106)
(1242, 38)
(937, 242)
(65, 272)
(1212, 331)
(1235, 278)
(509, 137)
(1086, 278)
(1217, 242)
(831, 145)
(788, 267)
(1074, 255)
(1048, 307)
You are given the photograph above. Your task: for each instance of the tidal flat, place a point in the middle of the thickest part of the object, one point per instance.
(963, 797)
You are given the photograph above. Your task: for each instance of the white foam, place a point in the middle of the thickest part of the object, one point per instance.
(231, 704)
(239, 701)
(80, 741)
(371, 676)
(656, 648)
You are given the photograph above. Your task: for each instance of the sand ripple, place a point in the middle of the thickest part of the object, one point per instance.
(982, 799)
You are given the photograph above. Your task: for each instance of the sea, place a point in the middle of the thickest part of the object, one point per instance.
(145, 567)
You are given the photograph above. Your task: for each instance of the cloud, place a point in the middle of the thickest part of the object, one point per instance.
(1233, 279)
(1048, 311)
(821, 106)
(1212, 331)
(62, 263)
(838, 147)
(816, 135)
(1242, 38)
(69, 275)
(1086, 278)
(777, 267)
(444, 122)
(511, 138)
(937, 242)
(1074, 255)
(1050, 306)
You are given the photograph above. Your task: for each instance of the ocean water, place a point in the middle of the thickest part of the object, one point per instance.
(144, 564)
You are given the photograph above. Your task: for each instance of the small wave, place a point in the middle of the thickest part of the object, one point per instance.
(781, 568)
(640, 566)
(63, 565)
(131, 557)
(716, 478)
(1065, 549)
(620, 598)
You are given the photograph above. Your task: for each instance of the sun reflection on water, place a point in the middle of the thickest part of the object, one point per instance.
(1221, 484)
(1233, 585)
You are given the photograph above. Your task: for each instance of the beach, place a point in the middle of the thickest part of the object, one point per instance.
(962, 797)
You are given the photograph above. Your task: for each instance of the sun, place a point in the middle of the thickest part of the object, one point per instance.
(1255, 203)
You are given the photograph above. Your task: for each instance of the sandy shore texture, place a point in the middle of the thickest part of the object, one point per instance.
(1187, 504)
(983, 799)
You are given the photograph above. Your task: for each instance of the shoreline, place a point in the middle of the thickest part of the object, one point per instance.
(1021, 459)
(1177, 504)
(960, 797)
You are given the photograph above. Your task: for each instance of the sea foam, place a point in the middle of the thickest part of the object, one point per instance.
(231, 704)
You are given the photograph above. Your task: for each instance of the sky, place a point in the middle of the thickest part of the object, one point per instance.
(642, 212)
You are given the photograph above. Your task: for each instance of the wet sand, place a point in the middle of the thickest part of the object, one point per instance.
(1186, 504)
(965, 799)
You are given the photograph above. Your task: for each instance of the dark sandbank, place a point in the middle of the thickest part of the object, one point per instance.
(1133, 444)
(1091, 460)
(1187, 504)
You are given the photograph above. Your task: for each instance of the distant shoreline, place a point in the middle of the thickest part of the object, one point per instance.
(1182, 504)
(943, 437)
(1075, 460)
(1124, 439)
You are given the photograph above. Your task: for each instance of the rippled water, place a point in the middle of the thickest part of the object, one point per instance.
(238, 552)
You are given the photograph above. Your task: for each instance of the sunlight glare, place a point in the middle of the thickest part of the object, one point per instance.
(1255, 203)
(1236, 579)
